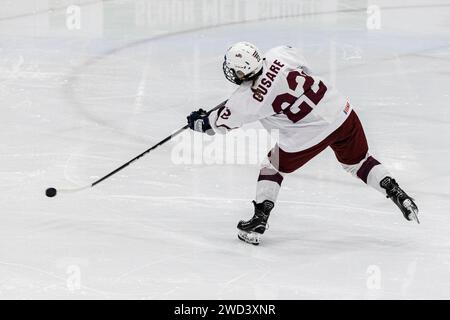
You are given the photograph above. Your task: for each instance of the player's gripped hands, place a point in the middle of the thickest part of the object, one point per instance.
(198, 121)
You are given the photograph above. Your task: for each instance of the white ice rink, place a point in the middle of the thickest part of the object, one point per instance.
(87, 85)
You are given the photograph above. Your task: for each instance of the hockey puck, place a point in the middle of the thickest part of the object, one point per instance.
(50, 192)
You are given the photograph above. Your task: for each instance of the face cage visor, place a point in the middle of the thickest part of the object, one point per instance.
(231, 75)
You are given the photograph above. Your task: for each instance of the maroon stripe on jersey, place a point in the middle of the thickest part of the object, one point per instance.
(270, 175)
(365, 168)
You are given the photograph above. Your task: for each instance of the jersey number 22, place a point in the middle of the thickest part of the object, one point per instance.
(304, 108)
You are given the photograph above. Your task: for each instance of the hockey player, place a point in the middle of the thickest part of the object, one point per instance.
(281, 92)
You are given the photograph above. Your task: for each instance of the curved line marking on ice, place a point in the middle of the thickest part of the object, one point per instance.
(73, 76)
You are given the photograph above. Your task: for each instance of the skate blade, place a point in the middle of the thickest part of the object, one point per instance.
(412, 211)
(414, 216)
(249, 237)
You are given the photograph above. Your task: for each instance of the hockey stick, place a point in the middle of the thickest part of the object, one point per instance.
(51, 192)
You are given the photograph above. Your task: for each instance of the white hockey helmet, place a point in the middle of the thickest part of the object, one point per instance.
(242, 61)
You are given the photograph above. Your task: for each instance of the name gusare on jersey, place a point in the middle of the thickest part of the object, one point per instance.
(261, 90)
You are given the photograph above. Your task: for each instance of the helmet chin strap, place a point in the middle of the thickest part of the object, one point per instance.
(252, 77)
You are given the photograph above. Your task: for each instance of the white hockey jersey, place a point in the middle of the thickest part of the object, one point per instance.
(287, 97)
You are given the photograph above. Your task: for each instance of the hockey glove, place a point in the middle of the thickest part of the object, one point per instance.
(198, 121)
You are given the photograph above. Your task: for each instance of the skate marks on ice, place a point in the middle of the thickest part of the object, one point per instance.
(50, 282)
(51, 10)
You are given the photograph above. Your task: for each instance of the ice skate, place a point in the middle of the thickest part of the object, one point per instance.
(400, 198)
(250, 231)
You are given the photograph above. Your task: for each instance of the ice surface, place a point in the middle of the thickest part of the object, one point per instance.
(76, 103)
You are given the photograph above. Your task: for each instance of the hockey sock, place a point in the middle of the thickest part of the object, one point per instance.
(370, 171)
(268, 185)
(375, 175)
